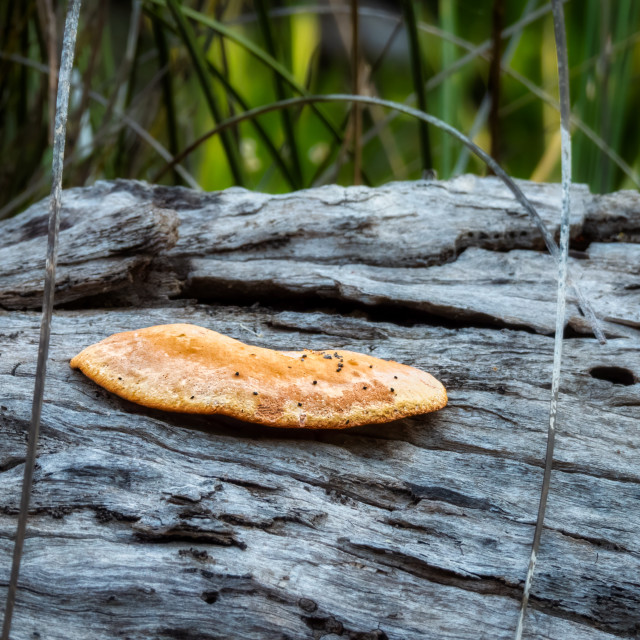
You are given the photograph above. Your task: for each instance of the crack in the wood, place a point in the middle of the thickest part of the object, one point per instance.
(455, 498)
(276, 299)
(482, 584)
(187, 533)
(602, 543)
(249, 484)
(11, 462)
(488, 585)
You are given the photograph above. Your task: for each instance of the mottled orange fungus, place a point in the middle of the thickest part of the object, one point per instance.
(189, 369)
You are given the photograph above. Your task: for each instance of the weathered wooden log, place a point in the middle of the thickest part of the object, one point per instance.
(422, 246)
(152, 525)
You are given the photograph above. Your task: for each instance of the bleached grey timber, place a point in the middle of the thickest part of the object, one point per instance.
(152, 525)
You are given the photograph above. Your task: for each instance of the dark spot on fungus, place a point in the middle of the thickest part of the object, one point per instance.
(192, 397)
(391, 388)
(237, 373)
(299, 404)
(327, 357)
(347, 422)
(364, 387)
(119, 378)
(395, 377)
(370, 366)
(338, 370)
(255, 393)
(304, 356)
(315, 382)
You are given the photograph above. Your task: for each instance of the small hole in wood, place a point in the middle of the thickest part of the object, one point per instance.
(210, 596)
(617, 375)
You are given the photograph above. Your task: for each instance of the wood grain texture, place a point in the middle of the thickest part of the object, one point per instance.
(152, 525)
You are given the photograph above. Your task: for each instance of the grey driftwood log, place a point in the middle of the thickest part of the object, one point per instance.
(150, 525)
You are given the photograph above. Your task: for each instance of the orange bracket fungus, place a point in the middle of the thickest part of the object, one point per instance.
(189, 369)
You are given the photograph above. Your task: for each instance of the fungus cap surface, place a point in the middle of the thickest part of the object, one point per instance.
(190, 369)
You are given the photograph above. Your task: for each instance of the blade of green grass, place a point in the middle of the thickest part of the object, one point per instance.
(281, 94)
(418, 81)
(626, 20)
(604, 89)
(449, 93)
(495, 78)
(586, 105)
(23, 107)
(258, 53)
(189, 41)
(356, 109)
(48, 23)
(483, 111)
(129, 69)
(261, 131)
(221, 76)
(167, 90)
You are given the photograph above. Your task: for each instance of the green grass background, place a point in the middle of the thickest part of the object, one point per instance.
(175, 69)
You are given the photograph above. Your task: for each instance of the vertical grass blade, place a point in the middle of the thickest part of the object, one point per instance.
(167, 90)
(189, 39)
(626, 20)
(565, 120)
(494, 77)
(449, 91)
(356, 107)
(587, 105)
(64, 84)
(260, 130)
(418, 81)
(259, 53)
(122, 161)
(483, 111)
(281, 93)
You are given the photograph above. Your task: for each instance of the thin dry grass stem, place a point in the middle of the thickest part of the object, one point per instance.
(565, 117)
(62, 106)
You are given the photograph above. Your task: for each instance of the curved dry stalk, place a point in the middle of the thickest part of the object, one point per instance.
(487, 159)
